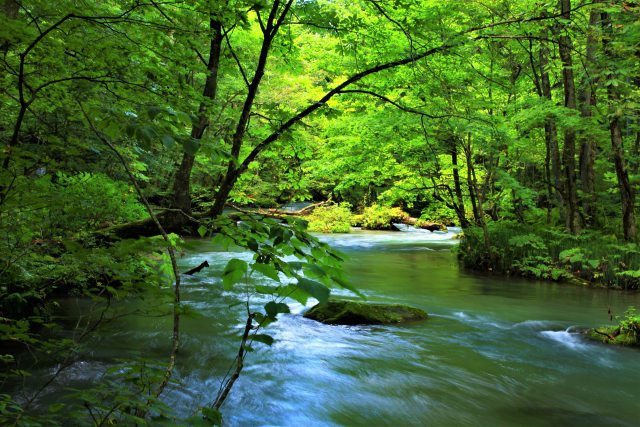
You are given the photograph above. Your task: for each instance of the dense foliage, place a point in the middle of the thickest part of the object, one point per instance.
(518, 121)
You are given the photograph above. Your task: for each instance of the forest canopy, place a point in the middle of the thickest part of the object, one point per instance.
(124, 120)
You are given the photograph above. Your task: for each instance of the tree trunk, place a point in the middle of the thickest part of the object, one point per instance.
(233, 170)
(552, 160)
(459, 203)
(569, 148)
(182, 180)
(473, 189)
(627, 196)
(587, 98)
(10, 9)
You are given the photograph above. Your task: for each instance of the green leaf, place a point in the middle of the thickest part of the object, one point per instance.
(274, 308)
(168, 141)
(202, 230)
(314, 270)
(56, 407)
(233, 272)
(262, 319)
(263, 338)
(292, 291)
(191, 146)
(343, 283)
(315, 289)
(266, 290)
(267, 270)
(212, 415)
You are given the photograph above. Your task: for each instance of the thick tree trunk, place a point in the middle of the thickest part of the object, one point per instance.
(627, 195)
(569, 148)
(182, 179)
(587, 98)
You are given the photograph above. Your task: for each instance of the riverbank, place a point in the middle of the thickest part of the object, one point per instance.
(589, 258)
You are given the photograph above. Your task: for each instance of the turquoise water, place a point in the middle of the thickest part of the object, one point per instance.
(495, 352)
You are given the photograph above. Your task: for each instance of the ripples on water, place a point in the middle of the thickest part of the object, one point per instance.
(495, 352)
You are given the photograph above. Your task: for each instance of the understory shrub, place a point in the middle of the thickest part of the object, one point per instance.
(552, 254)
(46, 246)
(330, 219)
(378, 217)
(439, 213)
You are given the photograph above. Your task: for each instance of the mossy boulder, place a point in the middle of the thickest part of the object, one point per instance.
(613, 335)
(336, 312)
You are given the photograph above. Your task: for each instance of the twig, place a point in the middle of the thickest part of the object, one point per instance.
(170, 250)
(239, 365)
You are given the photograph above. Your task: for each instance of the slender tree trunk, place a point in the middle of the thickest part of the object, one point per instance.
(635, 164)
(274, 21)
(182, 180)
(569, 148)
(550, 131)
(627, 194)
(459, 204)
(473, 189)
(587, 98)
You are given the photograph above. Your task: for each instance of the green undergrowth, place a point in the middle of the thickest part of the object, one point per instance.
(551, 254)
(48, 248)
(338, 218)
(330, 219)
(626, 332)
(377, 217)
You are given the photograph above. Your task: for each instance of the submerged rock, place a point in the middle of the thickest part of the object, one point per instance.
(613, 335)
(431, 226)
(360, 313)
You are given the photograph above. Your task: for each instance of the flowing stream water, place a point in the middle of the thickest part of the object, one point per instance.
(495, 351)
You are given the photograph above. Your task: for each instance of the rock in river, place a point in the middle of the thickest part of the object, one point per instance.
(360, 313)
(614, 335)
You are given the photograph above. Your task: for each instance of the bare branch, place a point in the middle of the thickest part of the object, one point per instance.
(235, 58)
(170, 250)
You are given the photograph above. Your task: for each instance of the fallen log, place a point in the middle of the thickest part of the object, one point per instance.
(280, 213)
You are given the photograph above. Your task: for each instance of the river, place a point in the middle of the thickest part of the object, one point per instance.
(495, 351)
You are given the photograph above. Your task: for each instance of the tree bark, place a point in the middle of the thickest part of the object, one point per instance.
(10, 9)
(273, 24)
(459, 203)
(550, 130)
(473, 189)
(587, 98)
(569, 149)
(627, 194)
(182, 180)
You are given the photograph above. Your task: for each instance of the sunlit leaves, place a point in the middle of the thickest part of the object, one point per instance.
(315, 289)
